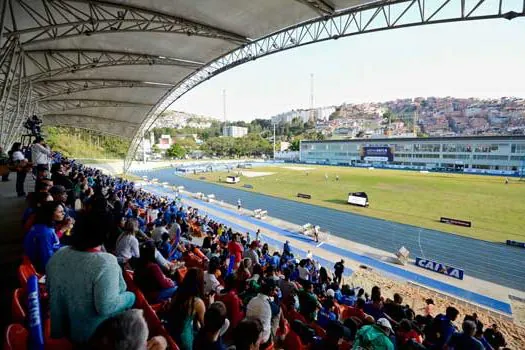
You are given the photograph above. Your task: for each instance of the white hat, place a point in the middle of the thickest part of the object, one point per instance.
(383, 322)
(330, 293)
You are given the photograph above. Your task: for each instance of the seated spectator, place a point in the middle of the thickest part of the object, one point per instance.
(126, 331)
(187, 309)
(160, 228)
(231, 299)
(36, 200)
(211, 283)
(252, 254)
(165, 246)
(406, 333)
(260, 307)
(375, 336)
(394, 309)
(215, 325)
(243, 274)
(150, 278)
(347, 297)
(375, 307)
(308, 302)
(334, 333)
(326, 313)
(465, 340)
(442, 328)
(85, 284)
(356, 311)
(248, 335)
(127, 245)
(494, 337)
(41, 242)
(286, 286)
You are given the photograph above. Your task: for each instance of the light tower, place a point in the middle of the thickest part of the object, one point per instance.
(224, 105)
(312, 115)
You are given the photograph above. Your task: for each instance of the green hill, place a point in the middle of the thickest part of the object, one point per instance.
(80, 143)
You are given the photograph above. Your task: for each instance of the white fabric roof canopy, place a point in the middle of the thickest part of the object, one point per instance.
(105, 65)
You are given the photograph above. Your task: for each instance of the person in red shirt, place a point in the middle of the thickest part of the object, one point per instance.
(232, 301)
(150, 278)
(235, 249)
(355, 311)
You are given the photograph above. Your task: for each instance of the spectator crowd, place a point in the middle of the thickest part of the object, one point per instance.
(107, 246)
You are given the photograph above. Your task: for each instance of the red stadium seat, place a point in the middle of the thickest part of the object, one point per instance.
(18, 311)
(16, 337)
(54, 343)
(180, 273)
(24, 272)
(293, 342)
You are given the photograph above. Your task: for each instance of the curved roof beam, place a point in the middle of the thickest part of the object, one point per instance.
(51, 88)
(64, 105)
(88, 119)
(322, 7)
(57, 19)
(56, 62)
(373, 17)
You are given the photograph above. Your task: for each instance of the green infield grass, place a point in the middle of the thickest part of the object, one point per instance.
(496, 209)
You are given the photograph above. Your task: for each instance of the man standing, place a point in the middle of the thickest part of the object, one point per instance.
(339, 269)
(239, 204)
(40, 154)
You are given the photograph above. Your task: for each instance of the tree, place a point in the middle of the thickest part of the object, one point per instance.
(176, 151)
(155, 149)
(295, 145)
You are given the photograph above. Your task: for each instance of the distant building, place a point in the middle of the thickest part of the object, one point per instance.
(164, 142)
(234, 131)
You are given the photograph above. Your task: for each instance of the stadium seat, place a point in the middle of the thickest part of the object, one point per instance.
(180, 273)
(16, 337)
(140, 298)
(24, 272)
(293, 342)
(54, 343)
(18, 312)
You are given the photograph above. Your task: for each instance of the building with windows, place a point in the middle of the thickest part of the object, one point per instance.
(477, 154)
(234, 131)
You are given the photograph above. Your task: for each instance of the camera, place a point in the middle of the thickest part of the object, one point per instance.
(33, 124)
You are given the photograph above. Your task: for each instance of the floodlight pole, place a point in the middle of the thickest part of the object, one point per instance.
(273, 141)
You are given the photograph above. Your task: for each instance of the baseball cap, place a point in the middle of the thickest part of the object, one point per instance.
(330, 293)
(384, 323)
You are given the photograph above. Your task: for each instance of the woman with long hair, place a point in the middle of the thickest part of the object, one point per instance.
(187, 309)
(150, 278)
(127, 245)
(85, 284)
(41, 242)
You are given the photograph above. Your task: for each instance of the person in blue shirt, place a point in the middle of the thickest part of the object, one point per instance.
(326, 313)
(165, 246)
(348, 296)
(286, 249)
(41, 242)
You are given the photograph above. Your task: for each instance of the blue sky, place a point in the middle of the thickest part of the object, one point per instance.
(470, 59)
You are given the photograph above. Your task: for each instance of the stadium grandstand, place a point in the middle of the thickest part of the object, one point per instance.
(92, 261)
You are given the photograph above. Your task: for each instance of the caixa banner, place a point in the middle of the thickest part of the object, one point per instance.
(440, 268)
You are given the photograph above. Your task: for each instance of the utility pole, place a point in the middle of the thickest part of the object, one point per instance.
(312, 116)
(143, 148)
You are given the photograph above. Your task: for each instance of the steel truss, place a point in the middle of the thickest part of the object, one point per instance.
(58, 62)
(51, 88)
(56, 19)
(373, 17)
(71, 104)
(15, 94)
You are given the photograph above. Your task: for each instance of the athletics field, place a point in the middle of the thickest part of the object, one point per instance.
(496, 209)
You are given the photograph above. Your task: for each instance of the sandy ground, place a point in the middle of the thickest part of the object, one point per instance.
(298, 168)
(250, 174)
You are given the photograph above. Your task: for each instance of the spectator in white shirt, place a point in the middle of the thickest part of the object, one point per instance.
(259, 308)
(127, 245)
(17, 157)
(40, 154)
(158, 231)
(304, 274)
(252, 254)
(211, 283)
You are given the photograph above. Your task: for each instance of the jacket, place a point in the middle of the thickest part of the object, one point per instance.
(372, 337)
(40, 243)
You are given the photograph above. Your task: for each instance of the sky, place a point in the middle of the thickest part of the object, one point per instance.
(469, 59)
